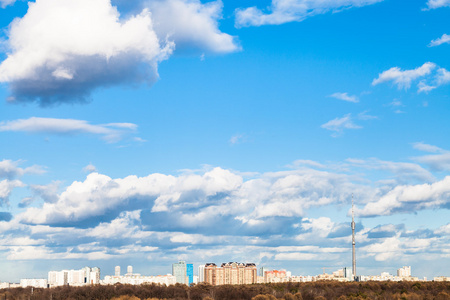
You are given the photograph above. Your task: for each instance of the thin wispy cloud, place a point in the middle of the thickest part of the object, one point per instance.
(432, 4)
(237, 139)
(284, 11)
(112, 132)
(345, 97)
(444, 39)
(338, 125)
(428, 148)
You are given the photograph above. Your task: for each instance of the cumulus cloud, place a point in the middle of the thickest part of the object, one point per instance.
(217, 214)
(403, 79)
(10, 169)
(283, 11)
(410, 198)
(444, 39)
(6, 187)
(48, 192)
(62, 50)
(192, 26)
(196, 197)
(111, 132)
(432, 4)
(345, 97)
(338, 125)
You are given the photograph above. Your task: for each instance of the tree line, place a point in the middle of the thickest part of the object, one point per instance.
(276, 291)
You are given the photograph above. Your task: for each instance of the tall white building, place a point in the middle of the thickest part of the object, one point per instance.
(201, 273)
(404, 272)
(179, 271)
(74, 277)
(130, 270)
(117, 271)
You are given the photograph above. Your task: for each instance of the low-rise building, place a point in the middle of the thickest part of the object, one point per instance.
(36, 283)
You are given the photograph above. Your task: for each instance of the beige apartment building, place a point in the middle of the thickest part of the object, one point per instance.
(230, 273)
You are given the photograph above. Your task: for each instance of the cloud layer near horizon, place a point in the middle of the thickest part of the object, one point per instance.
(218, 213)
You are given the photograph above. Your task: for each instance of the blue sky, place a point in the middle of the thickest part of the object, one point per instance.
(223, 131)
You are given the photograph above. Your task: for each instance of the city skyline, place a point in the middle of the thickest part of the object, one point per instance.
(159, 131)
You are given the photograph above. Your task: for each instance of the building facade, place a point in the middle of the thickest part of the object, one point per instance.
(179, 270)
(230, 273)
(190, 273)
(80, 277)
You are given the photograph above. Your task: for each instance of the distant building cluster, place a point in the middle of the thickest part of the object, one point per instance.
(183, 273)
(137, 279)
(84, 276)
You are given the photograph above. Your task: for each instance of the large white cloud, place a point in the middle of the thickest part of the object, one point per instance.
(62, 50)
(198, 198)
(410, 198)
(283, 11)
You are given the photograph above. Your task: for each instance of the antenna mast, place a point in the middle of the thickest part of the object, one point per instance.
(353, 243)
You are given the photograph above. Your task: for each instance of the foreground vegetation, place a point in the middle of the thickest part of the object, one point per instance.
(286, 291)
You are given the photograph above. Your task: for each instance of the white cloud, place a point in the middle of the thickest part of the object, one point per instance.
(442, 77)
(237, 138)
(198, 198)
(440, 161)
(90, 168)
(403, 170)
(9, 169)
(283, 11)
(122, 227)
(340, 124)
(49, 192)
(99, 194)
(444, 39)
(62, 50)
(428, 148)
(345, 97)
(443, 230)
(403, 79)
(191, 25)
(410, 198)
(438, 3)
(4, 3)
(112, 132)
(6, 187)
